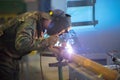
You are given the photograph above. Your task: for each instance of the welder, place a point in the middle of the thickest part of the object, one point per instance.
(25, 33)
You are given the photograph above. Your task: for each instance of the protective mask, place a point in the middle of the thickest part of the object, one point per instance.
(58, 24)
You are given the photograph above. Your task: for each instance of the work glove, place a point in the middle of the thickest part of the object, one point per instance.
(52, 40)
(44, 44)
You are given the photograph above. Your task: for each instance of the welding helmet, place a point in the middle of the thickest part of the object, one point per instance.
(60, 21)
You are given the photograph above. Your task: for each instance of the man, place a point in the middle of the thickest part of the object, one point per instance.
(24, 34)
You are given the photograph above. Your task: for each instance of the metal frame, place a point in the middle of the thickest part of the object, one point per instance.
(84, 3)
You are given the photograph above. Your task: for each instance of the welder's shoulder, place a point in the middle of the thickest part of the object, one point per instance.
(34, 15)
(26, 15)
(45, 15)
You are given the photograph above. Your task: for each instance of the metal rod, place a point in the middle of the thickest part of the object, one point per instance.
(60, 70)
(107, 74)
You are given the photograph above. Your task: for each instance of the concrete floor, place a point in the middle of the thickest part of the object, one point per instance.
(31, 71)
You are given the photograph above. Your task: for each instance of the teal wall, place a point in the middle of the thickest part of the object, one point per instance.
(105, 36)
(108, 15)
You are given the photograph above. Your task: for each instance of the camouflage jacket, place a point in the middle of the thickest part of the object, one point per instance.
(19, 37)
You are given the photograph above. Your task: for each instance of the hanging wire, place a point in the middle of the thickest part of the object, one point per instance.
(41, 69)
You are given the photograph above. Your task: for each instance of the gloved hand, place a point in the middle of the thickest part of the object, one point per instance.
(45, 43)
(59, 52)
(52, 40)
(55, 50)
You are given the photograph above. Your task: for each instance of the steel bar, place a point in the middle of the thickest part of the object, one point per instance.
(107, 74)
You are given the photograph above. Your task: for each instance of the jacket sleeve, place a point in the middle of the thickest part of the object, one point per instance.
(25, 38)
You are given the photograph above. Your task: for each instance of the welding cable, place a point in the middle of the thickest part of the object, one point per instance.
(41, 69)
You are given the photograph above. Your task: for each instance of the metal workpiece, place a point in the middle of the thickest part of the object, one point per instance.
(102, 72)
(82, 68)
(80, 73)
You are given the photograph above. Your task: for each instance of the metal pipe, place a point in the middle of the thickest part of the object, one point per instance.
(60, 71)
(107, 74)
